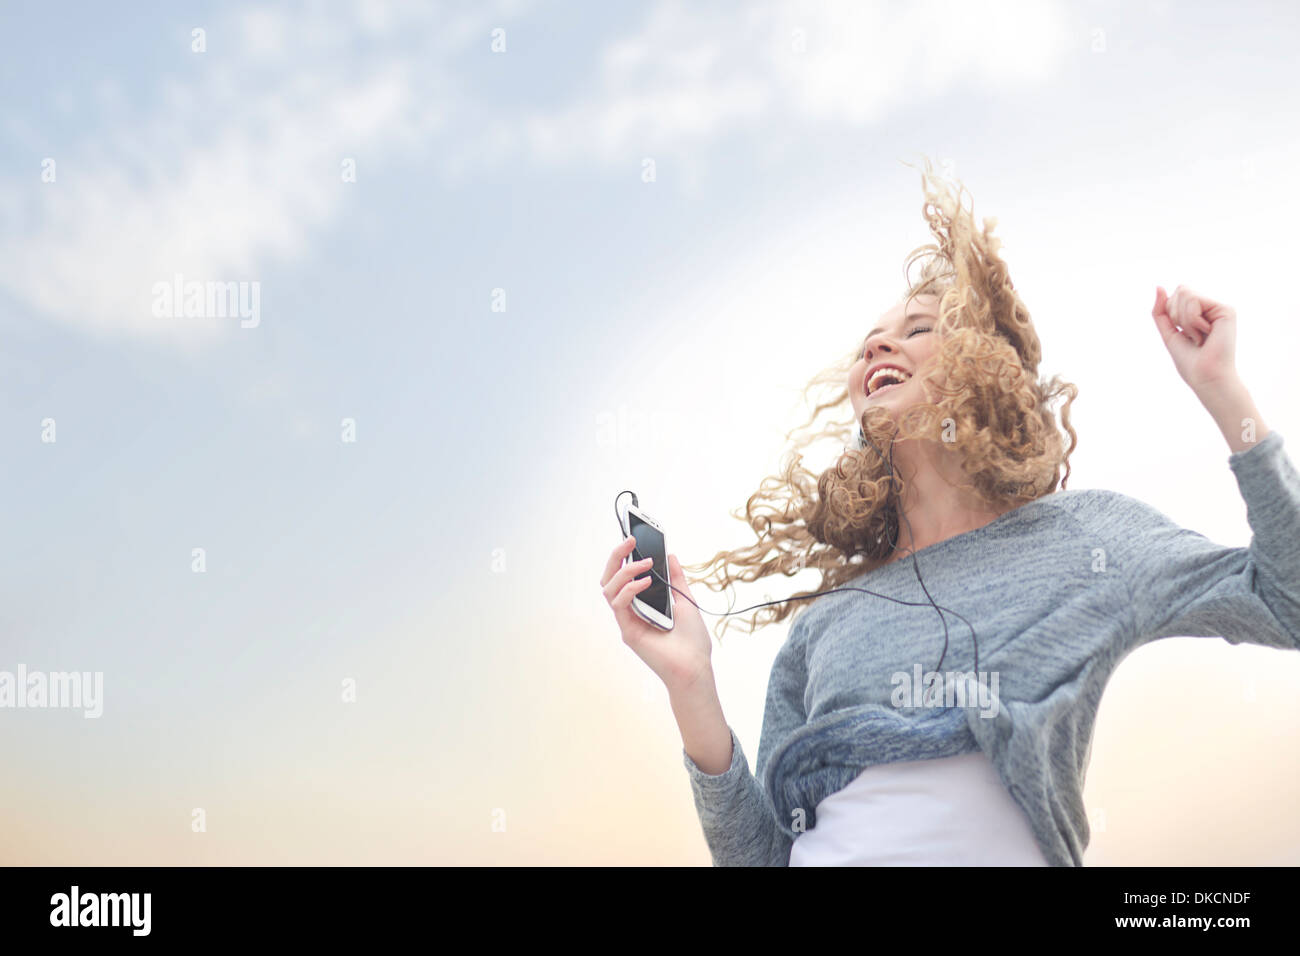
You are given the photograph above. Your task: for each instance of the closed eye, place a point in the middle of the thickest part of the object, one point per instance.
(919, 328)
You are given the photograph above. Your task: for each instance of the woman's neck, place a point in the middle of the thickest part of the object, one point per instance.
(935, 505)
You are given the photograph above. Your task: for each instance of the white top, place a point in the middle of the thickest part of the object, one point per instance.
(950, 811)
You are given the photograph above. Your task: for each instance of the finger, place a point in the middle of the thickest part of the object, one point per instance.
(1193, 298)
(626, 574)
(623, 599)
(1184, 308)
(1192, 311)
(621, 551)
(1191, 295)
(1185, 314)
(1162, 302)
(1160, 313)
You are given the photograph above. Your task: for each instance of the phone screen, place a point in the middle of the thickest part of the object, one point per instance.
(650, 544)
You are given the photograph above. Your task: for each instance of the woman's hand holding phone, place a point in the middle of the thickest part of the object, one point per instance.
(680, 657)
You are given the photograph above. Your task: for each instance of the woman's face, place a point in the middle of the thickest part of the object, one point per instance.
(904, 337)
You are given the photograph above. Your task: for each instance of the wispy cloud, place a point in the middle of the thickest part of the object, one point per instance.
(241, 165)
(694, 73)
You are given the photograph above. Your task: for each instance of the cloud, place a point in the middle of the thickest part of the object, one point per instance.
(237, 167)
(224, 173)
(693, 73)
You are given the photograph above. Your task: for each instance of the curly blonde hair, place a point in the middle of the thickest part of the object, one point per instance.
(992, 411)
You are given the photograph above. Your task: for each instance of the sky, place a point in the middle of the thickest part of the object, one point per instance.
(510, 259)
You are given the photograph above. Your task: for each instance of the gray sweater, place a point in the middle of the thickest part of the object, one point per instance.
(1058, 591)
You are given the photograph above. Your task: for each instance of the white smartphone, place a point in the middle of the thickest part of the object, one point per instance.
(654, 604)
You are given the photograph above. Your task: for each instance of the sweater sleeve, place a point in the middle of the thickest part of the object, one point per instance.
(739, 821)
(1183, 584)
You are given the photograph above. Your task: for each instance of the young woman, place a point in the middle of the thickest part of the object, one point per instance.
(942, 536)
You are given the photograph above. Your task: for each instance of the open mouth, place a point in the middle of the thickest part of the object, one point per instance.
(885, 378)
